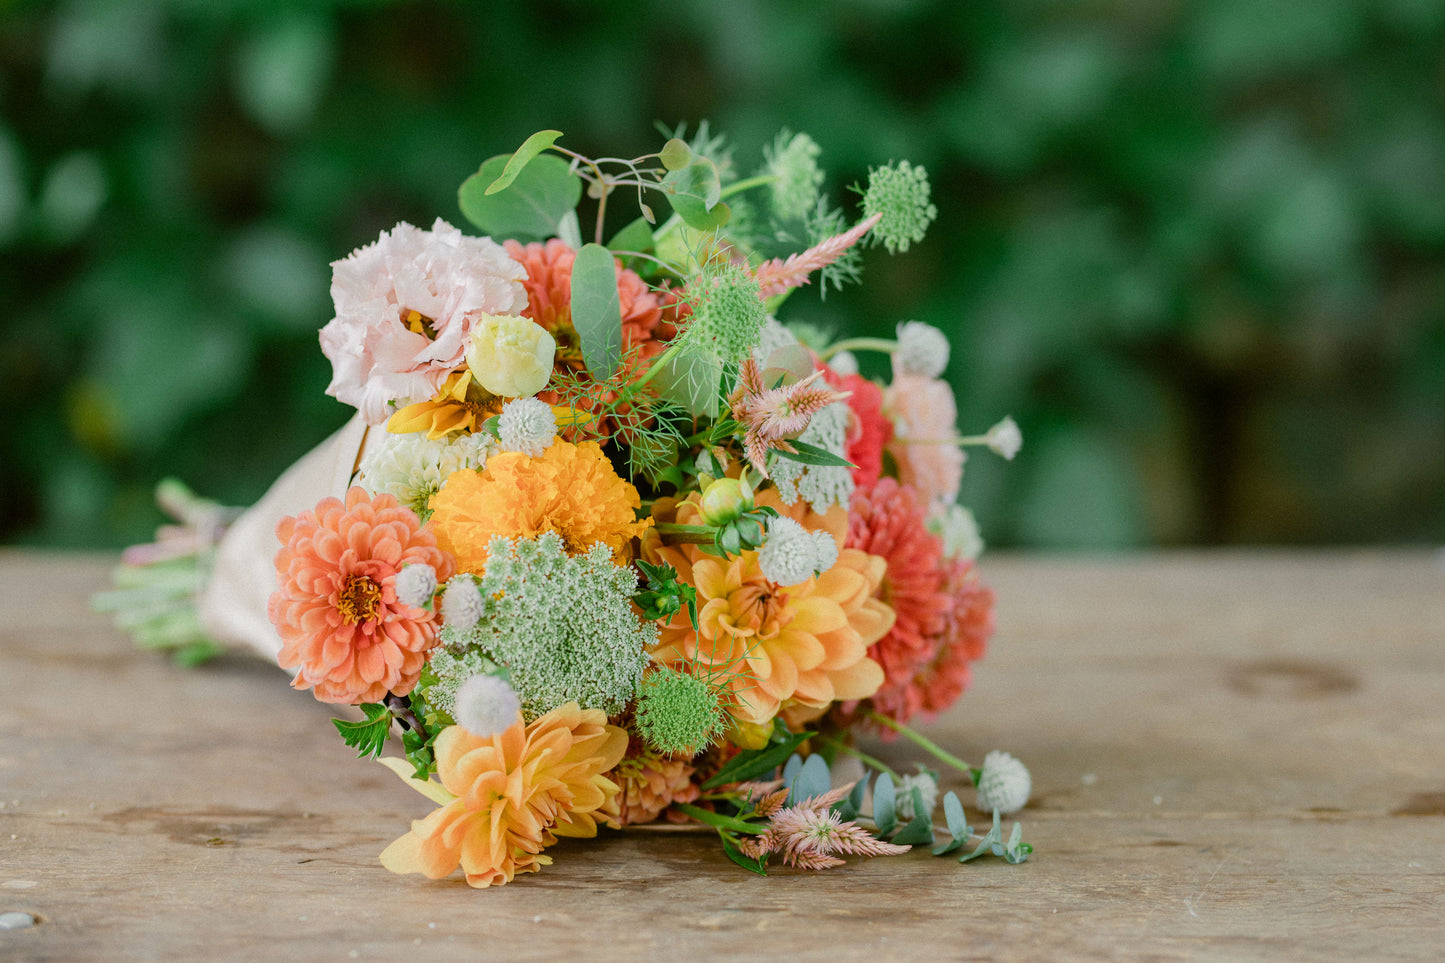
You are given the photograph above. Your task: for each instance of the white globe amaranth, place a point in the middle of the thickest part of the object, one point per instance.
(1005, 439)
(1004, 784)
(825, 551)
(415, 585)
(527, 425)
(844, 363)
(486, 705)
(959, 531)
(927, 786)
(789, 555)
(922, 350)
(462, 604)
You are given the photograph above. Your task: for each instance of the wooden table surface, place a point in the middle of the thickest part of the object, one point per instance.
(1235, 755)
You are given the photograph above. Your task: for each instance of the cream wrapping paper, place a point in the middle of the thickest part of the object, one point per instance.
(232, 606)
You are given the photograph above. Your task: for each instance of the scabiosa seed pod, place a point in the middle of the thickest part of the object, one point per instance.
(1004, 784)
(415, 585)
(922, 350)
(462, 604)
(527, 425)
(486, 705)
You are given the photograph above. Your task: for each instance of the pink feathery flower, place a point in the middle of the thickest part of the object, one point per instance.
(772, 416)
(777, 276)
(810, 838)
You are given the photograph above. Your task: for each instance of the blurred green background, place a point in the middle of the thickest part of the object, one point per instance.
(1197, 249)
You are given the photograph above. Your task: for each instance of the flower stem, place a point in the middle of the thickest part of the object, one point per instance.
(923, 742)
(675, 534)
(656, 365)
(748, 184)
(961, 442)
(860, 344)
(863, 757)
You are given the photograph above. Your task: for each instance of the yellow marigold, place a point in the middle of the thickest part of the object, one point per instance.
(505, 798)
(793, 649)
(569, 489)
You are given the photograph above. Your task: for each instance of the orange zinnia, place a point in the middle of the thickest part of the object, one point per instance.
(341, 625)
(793, 649)
(569, 489)
(505, 798)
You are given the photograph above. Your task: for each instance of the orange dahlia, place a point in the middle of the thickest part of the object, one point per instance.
(341, 625)
(569, 489)
(505, 798)
(793, 649)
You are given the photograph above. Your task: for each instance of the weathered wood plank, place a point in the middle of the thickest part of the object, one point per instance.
(1235, 755)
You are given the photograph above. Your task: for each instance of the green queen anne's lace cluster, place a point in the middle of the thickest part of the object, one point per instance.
(563, 627)
(678, 712)
(900, 193)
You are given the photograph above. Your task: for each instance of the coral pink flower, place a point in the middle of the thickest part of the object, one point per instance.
(649, 783)
(341, 625)
(405, 307)
(966, 636)
(886, 520)
(869, 431)
(923, 409)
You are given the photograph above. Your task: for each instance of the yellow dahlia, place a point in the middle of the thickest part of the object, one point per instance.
(794, 649)
(505, 798)
(570, 489)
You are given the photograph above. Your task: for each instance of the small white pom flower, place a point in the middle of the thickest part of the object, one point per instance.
(959, 531)
(462, 604)
(922, 350)
(1004, 785)
(790, 554)
(486, 705)
(927, 787)
(415, 585)
(844, 363)
(1005, 438)
(825, 551)
(527, 425)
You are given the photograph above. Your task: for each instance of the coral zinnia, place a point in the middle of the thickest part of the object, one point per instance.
(504, 798)
(341, 625)
(869, 430)
(794, 649)
(965, 637)
(570, 489)
(887, 521)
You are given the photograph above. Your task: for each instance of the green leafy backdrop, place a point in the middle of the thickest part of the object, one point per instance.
(1196, 249)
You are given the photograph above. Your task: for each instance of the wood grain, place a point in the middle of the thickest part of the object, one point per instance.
(1235, 755)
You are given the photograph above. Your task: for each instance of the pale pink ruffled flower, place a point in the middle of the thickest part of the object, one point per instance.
(923, 409)
(405, 307)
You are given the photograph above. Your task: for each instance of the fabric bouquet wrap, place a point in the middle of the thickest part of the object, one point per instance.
(608, 541)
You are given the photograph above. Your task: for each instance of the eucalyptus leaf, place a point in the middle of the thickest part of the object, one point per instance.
(958, 826)
(597, 310)
(791, 769)
(1017, 851)
(637, 237)
(752, 763)
(675, 154)
(522, 156)
(885, 815)
(811, 781)
(994, 837)
(694, 192)
(532, 206)
(693, 381)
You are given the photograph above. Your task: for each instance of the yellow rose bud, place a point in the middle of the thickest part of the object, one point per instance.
(724, 499)
(749, 735)
(511, 356)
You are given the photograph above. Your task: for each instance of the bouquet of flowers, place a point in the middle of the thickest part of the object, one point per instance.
(607, 541)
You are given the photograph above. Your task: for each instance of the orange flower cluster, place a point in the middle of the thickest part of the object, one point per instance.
(790, 650)
(570, 489)
(341, 625)
(507, 797)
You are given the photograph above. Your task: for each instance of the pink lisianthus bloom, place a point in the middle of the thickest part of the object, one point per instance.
(405, 307)
(923, 408)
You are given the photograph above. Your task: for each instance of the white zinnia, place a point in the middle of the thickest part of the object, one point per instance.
(462, 604)
(486, 705)
(922, 350)
(1004, 784)
(1005, 438)
(413, 467)
(527, 425)
(415, 585)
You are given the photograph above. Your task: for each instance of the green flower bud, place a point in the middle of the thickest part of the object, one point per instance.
(725, 499)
